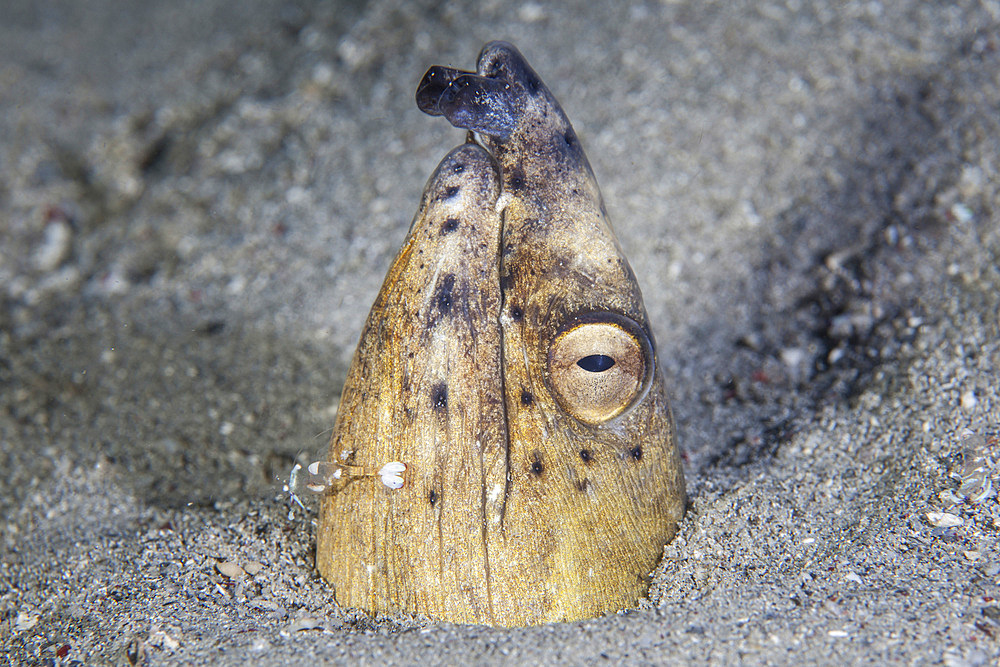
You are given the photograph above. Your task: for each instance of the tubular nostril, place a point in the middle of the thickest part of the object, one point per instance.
(432, 86)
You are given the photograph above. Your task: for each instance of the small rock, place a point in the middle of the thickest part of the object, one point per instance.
(163, 640)
(252, 568)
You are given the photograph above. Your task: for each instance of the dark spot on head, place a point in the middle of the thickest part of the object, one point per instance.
(582, 484)
(439, 396)
(569, 137)
(636, 453)
(450, 225)
(586, 456)
(443, 295)
(450, 191)
(506, 282)
(536, 463)
(526, 398)
(509, 248)
(458, 169)
(516, 313)
(432, 497)
(516, 180)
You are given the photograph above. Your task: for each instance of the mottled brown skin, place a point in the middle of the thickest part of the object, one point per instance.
(514, 511)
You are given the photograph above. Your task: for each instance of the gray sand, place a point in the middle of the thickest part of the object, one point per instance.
(199, 202)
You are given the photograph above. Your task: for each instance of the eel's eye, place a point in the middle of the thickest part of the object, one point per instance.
(599, 365)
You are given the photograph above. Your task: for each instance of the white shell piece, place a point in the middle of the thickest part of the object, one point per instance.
(391, 474)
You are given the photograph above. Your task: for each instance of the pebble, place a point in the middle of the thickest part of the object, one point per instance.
(969, 400)
(25, 621)
(961, 212)
(793, 356)
(230, 569)
(252, 568)
(305, 623)
(949, 497)
(55, 247)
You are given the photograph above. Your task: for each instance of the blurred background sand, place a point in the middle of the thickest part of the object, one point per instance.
(198, 204)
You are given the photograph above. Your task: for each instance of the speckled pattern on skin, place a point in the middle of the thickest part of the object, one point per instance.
(805, 191)
(533, 493)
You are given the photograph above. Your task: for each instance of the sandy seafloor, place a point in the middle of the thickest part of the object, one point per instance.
(199, 201)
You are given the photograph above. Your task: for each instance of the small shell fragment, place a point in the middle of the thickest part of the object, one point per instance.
(943, 519)
(978, 468)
